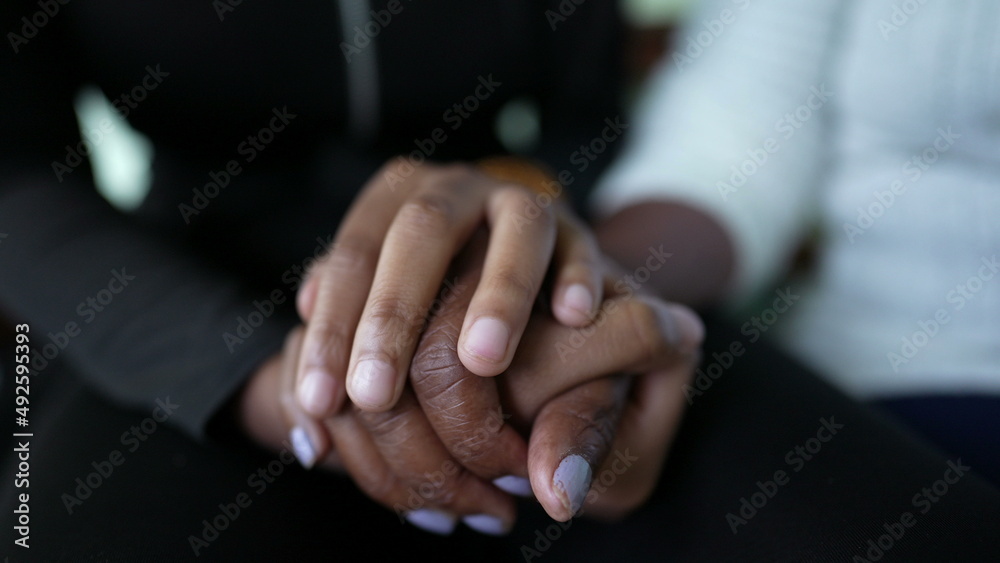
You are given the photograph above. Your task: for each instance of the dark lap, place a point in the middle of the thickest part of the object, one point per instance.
(739, 440)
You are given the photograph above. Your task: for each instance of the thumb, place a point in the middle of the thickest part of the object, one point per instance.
(570, 439)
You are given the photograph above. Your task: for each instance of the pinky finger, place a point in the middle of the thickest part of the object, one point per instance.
(308, 438)
(373, 475)
(578, 266)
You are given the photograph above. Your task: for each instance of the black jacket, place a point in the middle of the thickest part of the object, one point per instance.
(265, 119)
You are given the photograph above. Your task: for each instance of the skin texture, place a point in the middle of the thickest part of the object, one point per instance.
(448, 421)
(368, 298)
(703, 257)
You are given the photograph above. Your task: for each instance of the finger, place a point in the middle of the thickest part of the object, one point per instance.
(343, 277)
(431, 477)
(305, 299)
(309, 440)
(463, 408)
(518, 257)
(629, 335)
(578, 281)
(645, 432)
(570, 439)
(364, 463)
(427, 232)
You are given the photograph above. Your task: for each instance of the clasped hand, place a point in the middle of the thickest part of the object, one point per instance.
(428, 291)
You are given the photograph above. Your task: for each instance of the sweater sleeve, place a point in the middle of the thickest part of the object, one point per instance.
(138, 316)
(733, 124)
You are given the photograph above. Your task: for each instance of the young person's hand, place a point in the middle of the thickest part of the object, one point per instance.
(367, 300)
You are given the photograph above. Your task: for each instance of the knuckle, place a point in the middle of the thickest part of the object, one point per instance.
(595, 428)
(350, 254)
(458, 170)
(582, 252)
(515, 285)
(391, 165)
(395, 165)
(332, 339)
(444, 492)
(474, 444)
(394, 316)
(390, 428)
(520, 198)
(435, 367)
(643, 324)
(428, 215)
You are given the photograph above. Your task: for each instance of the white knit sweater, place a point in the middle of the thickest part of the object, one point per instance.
(878, 120)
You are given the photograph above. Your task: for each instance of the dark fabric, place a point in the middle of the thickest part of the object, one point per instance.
(210, 75)
(738, 433)
(966, 425)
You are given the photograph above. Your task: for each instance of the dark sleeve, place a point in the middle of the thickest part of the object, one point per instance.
(140, 318)
(581, 99)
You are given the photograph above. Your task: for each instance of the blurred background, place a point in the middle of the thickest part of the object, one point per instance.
(121, 160)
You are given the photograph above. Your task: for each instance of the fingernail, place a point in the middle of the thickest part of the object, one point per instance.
(579, 298)
(572, 482)
(373, 383)
(689, 325)
(514, 485)
(303, 447)
(486, 524)
(433, 521)
(316, 391)
(487, 339)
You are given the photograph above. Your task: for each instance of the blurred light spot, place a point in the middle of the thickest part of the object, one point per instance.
(121, 157)
(518, 126)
